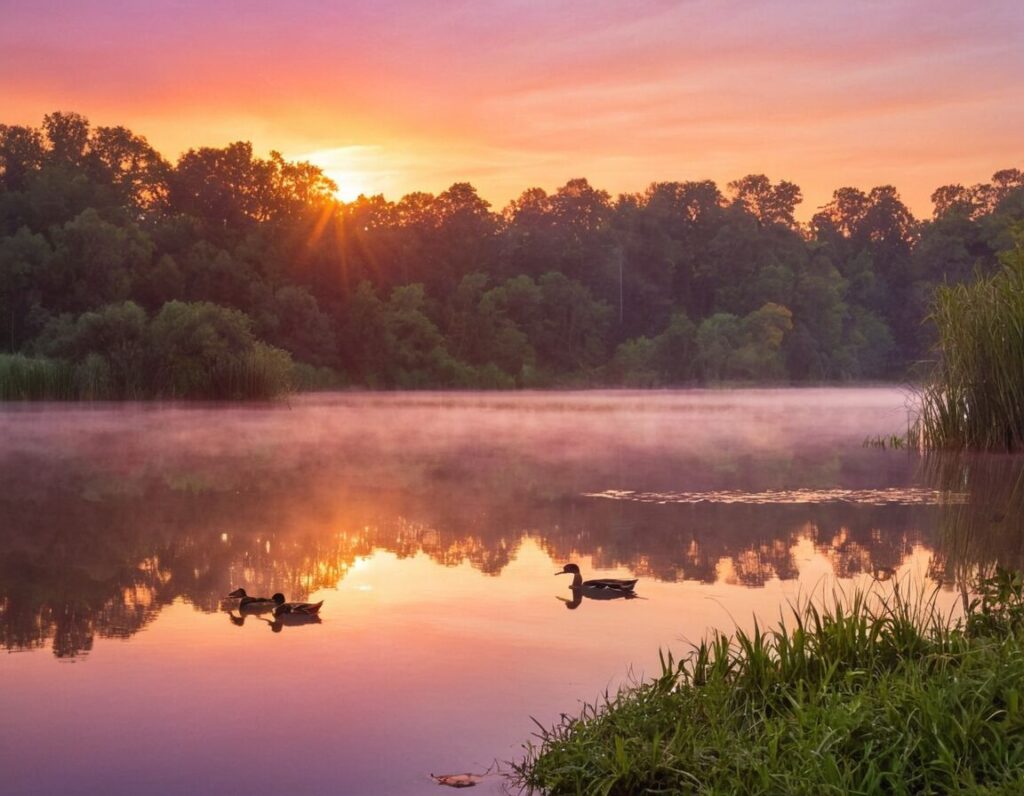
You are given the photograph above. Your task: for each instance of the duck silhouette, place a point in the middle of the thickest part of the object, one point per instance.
(282, 608)
(596, 589)
(251, 605)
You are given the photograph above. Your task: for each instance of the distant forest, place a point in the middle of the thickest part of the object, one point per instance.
(140, 277)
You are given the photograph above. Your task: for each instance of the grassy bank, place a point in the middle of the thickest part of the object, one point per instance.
(865, 696)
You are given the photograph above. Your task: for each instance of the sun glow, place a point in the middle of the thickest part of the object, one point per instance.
(356, 170)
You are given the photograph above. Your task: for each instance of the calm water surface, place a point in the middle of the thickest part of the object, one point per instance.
(431, 525)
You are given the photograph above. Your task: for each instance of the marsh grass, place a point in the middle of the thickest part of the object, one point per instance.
(26, 379)
(263, 373)
(871, 694)
(975, 397)
(892, 441)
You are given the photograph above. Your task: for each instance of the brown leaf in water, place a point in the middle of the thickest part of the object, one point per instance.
(457, 780)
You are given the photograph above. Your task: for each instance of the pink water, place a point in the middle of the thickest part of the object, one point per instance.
(431, 526)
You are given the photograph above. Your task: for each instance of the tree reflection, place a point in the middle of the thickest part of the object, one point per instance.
(100, 533)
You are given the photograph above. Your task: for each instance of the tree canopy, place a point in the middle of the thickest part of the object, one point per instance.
(111, 253)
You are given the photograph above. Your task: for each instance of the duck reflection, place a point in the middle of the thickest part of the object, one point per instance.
(288, 620)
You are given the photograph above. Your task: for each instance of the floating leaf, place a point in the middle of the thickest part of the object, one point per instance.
(457, 780)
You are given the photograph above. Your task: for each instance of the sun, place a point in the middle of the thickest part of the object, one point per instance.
(353, 169)
(351, 184)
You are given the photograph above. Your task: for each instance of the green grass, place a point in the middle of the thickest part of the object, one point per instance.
(975, 397)
(263, 373)
(26, 379)
(868, 695)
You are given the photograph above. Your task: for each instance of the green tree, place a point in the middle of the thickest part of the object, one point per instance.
(768, 203)
(24, 256)
(717, 338)
(675, 352)
(94, 263)
(113, 338)
(194, 344)
(293, 321)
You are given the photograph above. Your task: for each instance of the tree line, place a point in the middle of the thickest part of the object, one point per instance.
(142, 277)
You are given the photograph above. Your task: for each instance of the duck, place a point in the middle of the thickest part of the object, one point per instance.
(252, 603)
(599, 588)
(303, 609)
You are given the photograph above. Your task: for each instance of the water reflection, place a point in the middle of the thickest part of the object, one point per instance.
(579, 593)
(110, 515)
(988, 529)
(291, 620)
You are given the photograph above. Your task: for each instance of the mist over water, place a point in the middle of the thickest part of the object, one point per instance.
(430, 524)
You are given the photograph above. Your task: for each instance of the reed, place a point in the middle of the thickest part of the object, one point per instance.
(263, 373)
(27, 379)
(869, 694)
(975, 397)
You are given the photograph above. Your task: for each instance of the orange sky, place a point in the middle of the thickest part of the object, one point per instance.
(399, 95)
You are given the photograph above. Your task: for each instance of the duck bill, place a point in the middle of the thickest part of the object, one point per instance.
(561, 573)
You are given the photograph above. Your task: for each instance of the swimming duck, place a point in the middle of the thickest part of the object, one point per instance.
(252, 603)
(599, 588)
(282, 607)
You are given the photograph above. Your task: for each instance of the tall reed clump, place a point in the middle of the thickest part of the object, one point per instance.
(264, 372)
(26, 379)
(261, 374)
(871, 694)
(975, 398)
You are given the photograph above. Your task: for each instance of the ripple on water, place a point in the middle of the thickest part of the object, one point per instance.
(901, 496)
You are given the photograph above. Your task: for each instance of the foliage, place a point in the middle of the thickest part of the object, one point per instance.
(26, 379)
(974, 398)
(869, 694)
(196, 350)
(679, 284)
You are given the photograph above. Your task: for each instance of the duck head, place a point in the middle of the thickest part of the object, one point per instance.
(237, 593)
(278, 599)
(572, 569)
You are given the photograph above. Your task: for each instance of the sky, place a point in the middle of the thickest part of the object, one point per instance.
(393, 96)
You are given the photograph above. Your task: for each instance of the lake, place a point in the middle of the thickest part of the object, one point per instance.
(431, 524)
